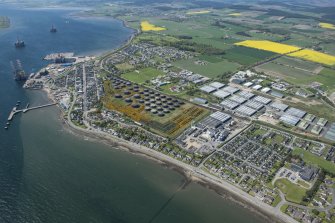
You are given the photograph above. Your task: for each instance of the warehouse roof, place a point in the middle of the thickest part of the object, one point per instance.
(254, 104)
(238, 99)
(262, 100)
(246, 94)
(289, 119)
(208, 89)
(244, 110)
(296, 112)
(230, 89)
(279, 106)
(229, 104)
(217, 85)
(221, 94)
(331, 133)
(220, 116)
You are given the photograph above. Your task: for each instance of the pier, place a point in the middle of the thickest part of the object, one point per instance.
(26, 109)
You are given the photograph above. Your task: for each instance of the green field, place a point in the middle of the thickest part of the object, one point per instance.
(300, 40)
(246, 56)
(289, 74)
(142, 75)
(293, 192)
(294, 62)
(300, 77)
(210, 70)
(328, 48)
(124, 66)
(310, 158)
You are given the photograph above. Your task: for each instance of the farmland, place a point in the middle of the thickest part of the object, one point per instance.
(246, 56)
(146, 26)
(327, 25)
(210, 69)
(268, 46)
(314, 56)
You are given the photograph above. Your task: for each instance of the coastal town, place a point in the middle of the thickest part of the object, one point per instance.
(246, 130)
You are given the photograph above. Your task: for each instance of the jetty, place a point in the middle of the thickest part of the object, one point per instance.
(26, 109)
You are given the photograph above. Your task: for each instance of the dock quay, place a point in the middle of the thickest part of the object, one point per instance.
(26, 109)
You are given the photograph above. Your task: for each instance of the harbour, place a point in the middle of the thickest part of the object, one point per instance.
(26, 109)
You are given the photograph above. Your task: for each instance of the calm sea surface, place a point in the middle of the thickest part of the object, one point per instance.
(49, 175)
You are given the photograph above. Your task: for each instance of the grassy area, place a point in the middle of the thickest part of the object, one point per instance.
(310, 158)
(276, 201)
(283, 208)
(124, 66)
(294, 62)
(293, 192)
(210, 70)
(142, 75)
(246, 56)
(289, 74)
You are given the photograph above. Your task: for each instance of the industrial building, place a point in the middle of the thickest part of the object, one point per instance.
(262, 100)
(246, 94)
(322, 122)
(331, 133)
(228, 104)
(238, 99)
(289, 119)
(316, 129)
(217, 85)
(296, 112)
(221, 94)
(254, 104)
(230, 89)
(309, 118)
(220, 116)
(208, 89)
(279, 106)
(245, 110)
(215, 120)
(303, 125)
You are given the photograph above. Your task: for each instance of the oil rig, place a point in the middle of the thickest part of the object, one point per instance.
(53, 29)
(19, 43)
(19, 74)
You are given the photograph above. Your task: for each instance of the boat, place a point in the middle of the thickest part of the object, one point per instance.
(6, 127)
(18, 72)
(19, 43)
(53, 29)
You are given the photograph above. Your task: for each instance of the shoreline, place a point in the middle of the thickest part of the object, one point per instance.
(190, 173)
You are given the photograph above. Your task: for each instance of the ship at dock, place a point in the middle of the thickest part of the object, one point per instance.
(19, 43)
(53, 29)
(18, 72)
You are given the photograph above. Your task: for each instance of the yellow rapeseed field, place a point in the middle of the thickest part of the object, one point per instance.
(235, 14)
(268, 46)
(326, 25)
(198, 12)
(315, 56)
(146, 26)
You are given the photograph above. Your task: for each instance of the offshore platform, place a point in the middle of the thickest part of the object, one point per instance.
(19, 43)
(19, 74)
(53, 29)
